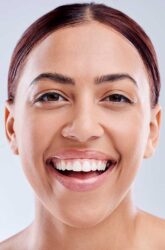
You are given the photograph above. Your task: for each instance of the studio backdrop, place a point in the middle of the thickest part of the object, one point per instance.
(16, 197)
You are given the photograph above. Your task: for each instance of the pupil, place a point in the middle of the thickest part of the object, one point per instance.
(52, 97)
(116, 98)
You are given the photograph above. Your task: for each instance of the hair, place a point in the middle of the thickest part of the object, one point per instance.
(76, 14)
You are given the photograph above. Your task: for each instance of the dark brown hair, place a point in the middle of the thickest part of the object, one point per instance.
(75, 14)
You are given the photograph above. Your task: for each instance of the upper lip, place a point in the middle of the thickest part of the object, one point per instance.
(81, 154)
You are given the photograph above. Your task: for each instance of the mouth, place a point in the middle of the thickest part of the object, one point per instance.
(80, 168)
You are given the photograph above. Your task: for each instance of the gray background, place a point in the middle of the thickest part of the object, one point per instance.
(16, 197)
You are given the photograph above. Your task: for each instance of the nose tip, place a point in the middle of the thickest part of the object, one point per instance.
(82, 132)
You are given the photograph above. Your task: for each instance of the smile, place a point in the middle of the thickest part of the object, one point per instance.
(81, 174)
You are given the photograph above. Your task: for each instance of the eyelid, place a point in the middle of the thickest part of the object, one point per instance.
(122, 96)
(131, 100)
(47, 92)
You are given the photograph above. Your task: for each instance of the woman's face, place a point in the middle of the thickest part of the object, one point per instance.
(83, 93)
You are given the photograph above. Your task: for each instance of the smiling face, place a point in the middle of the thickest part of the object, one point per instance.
(82, 88)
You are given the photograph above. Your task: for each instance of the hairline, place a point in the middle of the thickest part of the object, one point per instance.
(91, 16)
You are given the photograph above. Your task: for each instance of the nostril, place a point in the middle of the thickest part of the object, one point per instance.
(83, 136)
(71, 137)
(67, 132)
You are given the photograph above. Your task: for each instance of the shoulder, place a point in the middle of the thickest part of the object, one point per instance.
(151, 230)
(7, 244)
(15, 242)
(12, 243)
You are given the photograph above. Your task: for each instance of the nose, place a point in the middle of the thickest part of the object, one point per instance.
(83, 127)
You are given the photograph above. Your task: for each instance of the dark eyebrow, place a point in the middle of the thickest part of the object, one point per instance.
(114, 77)
(60, 78)
(55, 77)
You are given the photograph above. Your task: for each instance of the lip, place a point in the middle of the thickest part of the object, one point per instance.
(81, 154)
(78, 184)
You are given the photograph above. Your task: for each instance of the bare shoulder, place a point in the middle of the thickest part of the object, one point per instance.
(16, 242)
(151, 229)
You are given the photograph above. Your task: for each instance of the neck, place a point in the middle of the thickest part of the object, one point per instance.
(117, 230)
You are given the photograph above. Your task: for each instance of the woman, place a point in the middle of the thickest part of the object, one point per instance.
(82, 113)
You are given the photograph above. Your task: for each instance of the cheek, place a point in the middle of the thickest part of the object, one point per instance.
(129, 132)
(132, 142)
(37, 129)
(129, 136)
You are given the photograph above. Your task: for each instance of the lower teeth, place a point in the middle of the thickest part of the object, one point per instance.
(69, 172)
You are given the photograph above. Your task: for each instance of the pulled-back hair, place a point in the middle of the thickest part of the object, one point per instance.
(76, 14)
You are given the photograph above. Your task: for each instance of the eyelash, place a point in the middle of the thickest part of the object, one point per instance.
(118, 98)
(48, 95)
(114, 98)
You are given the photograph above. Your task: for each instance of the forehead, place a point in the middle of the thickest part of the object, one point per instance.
(83, 51)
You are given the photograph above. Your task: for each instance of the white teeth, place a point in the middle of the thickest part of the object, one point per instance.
(68, 166)
(76, 166)
(93, 166)
(84, 165)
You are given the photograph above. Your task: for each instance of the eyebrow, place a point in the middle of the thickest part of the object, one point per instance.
(55, 77)
(63, 79)
(114, 77)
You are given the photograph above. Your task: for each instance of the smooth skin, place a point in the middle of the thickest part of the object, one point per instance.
(114, 117)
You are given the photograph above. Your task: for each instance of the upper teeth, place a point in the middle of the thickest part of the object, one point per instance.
(84, 165)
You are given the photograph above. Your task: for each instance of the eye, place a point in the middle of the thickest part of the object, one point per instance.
(117, 98)
(51, 97)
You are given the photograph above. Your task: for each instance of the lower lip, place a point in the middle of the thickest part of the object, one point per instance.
(78, 184)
